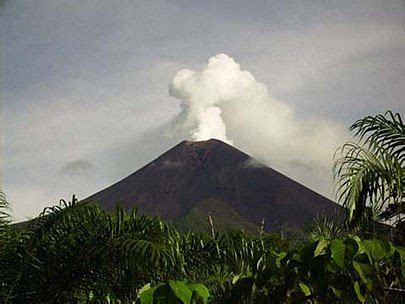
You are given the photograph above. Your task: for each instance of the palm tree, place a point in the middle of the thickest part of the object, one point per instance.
(370, 173)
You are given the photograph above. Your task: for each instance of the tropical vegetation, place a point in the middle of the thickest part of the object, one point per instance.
(78, 253)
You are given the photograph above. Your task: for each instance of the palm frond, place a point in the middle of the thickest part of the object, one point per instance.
(370, 174)
(327, 228)
(382, 131)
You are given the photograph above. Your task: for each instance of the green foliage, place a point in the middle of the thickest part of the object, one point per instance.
(338, 248)
(370, 173)
(79, 253)
(174, 292)
(340, 270)
(324, 227)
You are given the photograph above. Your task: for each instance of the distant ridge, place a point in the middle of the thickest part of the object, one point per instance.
(194, 179)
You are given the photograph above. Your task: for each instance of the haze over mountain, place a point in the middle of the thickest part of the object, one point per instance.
(194, 179)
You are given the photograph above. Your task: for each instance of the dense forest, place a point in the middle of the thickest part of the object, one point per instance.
(77, 252)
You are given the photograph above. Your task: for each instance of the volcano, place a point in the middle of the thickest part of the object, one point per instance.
(194, 179)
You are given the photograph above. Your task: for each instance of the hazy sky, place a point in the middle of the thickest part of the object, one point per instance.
(85, 84)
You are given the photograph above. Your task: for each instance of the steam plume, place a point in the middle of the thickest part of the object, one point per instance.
(204, 92)
(225, 102)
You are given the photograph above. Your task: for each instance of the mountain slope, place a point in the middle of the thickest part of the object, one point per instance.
(182, 179)
(225, 219)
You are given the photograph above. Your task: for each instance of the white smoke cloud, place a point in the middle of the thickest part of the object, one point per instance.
(210, 125)
(204, 92)
(225, 102)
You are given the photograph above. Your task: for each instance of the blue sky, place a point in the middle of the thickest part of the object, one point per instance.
(85, 83)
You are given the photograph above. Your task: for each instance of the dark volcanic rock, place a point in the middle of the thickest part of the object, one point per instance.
(192, 172)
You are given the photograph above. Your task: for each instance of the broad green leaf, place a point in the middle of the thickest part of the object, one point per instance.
(145, 294)
(322, 244)
(357, 290)
(201, 291)
(337, 248)
(144, 288)
(361, 248)
(378, 249)
(364, 270)
(182, 292)
(305, 289)
(351, 248)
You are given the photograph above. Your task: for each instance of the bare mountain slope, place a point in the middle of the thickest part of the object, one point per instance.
(192, 176)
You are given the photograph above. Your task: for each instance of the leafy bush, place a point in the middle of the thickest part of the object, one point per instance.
(337, 270)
